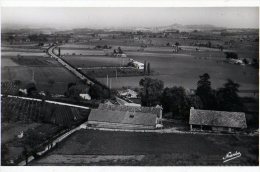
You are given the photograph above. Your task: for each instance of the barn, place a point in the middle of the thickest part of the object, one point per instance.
(216, 120)
(124, 117)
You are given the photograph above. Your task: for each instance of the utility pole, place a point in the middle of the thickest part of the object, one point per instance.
(116, 73)
(144, 67)
(148, 69)
(110, 83)
(107, 80)
(33, 76)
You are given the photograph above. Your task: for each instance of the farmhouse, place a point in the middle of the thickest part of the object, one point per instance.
(137, 64)
(217, 120)
(126, 117)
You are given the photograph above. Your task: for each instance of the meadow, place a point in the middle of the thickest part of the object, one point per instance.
(152, 149)
(180, 69)
(38, 67)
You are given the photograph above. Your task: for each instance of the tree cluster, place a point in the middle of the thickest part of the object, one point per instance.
(98, 92)
(178, 101)
(38, 38)
(118, 51)
(151, 90)
(231, 55)
(224, 99)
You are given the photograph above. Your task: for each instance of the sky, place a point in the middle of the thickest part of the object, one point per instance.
(124, 17)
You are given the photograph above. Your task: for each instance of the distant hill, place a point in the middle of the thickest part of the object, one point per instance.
(189, 28)
(26, 29)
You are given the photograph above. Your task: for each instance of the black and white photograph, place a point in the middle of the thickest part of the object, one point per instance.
(129, 86)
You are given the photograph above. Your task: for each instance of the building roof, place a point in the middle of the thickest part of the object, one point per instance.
(125, 103)
(217, 118)
(150, 110)
(138, 63)
(122, 117)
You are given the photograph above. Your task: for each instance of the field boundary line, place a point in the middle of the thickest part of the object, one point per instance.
(49, 101)
(163, 131)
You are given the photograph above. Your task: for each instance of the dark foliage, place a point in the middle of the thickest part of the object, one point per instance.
(31, 89)
(151, 90)
(227, 97)
(231, 55)
(205, 92)
(98, 92)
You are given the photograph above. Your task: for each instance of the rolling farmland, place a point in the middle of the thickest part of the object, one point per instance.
(38, 120)
(15, 109)
(181, 69)
(29, 66)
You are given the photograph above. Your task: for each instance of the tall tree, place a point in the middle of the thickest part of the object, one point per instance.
(175, 100)
(148, 68)
(151, 90)
(195, 101)
(177, 46)
(120, 51)
(228, 98)
(144, 67)
(205, 92)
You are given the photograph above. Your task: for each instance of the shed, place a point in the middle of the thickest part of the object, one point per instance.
(217, 120)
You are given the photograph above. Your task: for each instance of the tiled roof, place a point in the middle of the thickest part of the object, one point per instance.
(217, 118)
(122, 117)
(151, 110)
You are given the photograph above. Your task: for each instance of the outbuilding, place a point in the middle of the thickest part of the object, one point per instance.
(216, 120)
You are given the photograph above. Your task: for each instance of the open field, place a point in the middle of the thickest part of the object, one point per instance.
(181, 69)
(87, 146)
(82, 52)
(28, 61)
(22, 53)
(185, 71)
(112, 72)
(95, 61)
(42, 75)
(22, 49)
(34, 66)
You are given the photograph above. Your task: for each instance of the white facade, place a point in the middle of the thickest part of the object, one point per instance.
(85, 96)
(137, 64)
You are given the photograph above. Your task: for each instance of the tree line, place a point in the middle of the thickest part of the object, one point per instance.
(178, 101)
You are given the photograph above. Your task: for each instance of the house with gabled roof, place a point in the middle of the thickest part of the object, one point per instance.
(124, 117)
(217, 120)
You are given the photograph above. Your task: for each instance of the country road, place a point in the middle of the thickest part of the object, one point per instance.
(51, 53)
